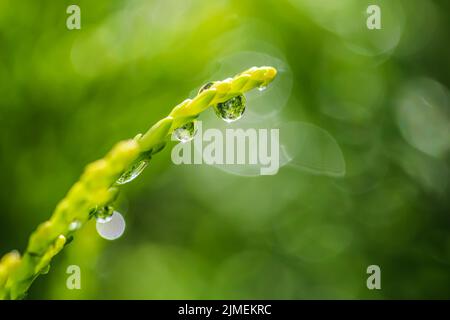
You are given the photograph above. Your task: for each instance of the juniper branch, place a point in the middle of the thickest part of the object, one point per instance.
(97, 188)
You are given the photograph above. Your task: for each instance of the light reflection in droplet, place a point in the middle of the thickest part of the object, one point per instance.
(75, 225)
(112, 229)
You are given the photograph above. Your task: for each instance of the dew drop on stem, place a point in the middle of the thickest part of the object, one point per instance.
(134, 171)
(262, 87)
(186, 132)
(232, 109)
(104, 214)
(75, 225)
(112, 229)
(205, 86)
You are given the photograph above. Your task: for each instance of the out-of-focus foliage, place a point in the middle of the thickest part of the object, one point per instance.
(198, 232)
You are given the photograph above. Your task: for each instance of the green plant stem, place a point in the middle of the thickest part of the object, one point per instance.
(97, 188)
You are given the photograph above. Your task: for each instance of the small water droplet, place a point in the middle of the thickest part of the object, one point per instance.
(75, 225)
(69, 240)
(137, 137)
(205, 86)
(46, 269)
(104, 214)
(232, 109)
(134, 171)
(156, 149)
(113, 229)
(262, 87)
(187, 132)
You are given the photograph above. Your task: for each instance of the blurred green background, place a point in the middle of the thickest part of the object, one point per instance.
(198, 232)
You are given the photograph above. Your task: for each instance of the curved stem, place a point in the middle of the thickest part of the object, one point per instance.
(97, 187)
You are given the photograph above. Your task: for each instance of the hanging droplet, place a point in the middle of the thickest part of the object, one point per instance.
(134, 171)
(232, 109)
(68, 241)
(187, 132)
(205, 86)
(262, 87)
(137, 137)
(156, 149)
(46, 269)
(104, 214)
(75, 225)
(112, 229)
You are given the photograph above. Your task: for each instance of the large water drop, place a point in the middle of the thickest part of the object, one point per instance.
(113, 228)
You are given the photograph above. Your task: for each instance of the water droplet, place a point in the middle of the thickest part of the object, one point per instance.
(104, 214)
(75, 225)
(69, 240)
(134, 171)
(186, 133)
(156, 148)
(262, 87)
(113, 229)
(45, 270)
(205, 86)
(137, 137)
(232, 109)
